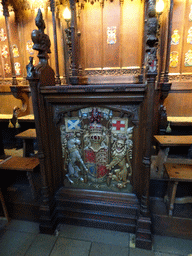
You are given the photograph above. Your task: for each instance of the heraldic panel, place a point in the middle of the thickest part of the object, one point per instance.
(96, 147)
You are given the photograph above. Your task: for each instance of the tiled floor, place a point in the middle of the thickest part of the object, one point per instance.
(19, 238)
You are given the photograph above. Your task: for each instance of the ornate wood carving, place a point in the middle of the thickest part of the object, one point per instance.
(143, 233)
(112, 71)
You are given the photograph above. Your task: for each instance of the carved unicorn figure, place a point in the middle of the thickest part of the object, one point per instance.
(74, 158)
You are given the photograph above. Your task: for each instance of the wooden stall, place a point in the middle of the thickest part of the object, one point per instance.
(102, 78)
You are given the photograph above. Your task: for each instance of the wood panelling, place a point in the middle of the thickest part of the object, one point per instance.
(91, 31)
(93, 23)
(111, 18)
(8, 101)
(132, 29)
(179, 104)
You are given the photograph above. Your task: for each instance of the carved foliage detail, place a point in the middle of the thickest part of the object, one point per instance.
(151, 40)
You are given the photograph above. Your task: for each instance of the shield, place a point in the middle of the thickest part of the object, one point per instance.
(96, 164)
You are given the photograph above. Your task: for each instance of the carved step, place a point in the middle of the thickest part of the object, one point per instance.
(107, 210)
(98, 223)
(95, 205)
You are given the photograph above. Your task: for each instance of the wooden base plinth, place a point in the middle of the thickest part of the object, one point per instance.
(143, 233)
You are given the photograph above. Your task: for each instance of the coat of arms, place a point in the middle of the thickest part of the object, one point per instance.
(5, 52)
(97, 149)
(3, 36)
(15, 51)
(174, 58)
(188, 58)
(111, 35)
(189, 36)
(175, 37)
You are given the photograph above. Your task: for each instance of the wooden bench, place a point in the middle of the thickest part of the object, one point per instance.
(180, 120)
(165, 142)
(27, 136)
(26, 164)
(27, 118)
(176, 174)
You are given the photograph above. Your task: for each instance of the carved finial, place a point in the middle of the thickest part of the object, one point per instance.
(40, 39)
(5, 8)
(39, 22)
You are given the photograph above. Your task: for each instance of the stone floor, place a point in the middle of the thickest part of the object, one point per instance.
(22, 238)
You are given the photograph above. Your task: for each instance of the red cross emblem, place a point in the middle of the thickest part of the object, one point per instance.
(117, 125)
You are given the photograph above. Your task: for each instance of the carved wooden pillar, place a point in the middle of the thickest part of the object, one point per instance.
(42, 75)
(74, 79)
(166, 76)
(57, 80)
(143, 234)
(6, 14)
(142, 75)
(165, 86)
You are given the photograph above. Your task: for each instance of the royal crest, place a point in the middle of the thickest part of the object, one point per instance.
(15, 51)
(174, 58)
(3, 36)
(7, 69)
(5, 52)
(29, 47)
(17, 68)
(189, 37)
(175, 37)
(111, 35)
(188, 59)
(96, 149)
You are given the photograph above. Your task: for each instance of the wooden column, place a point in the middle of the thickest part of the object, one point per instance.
(6, 14)
(57, 79)
(74, 79)
(166, 76)
(165, 86)
(40, 76)
(143, 233)
(142, 75)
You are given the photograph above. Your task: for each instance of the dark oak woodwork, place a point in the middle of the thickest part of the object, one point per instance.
(139, 98)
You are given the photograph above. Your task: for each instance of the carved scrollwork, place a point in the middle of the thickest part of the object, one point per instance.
(113, 72)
